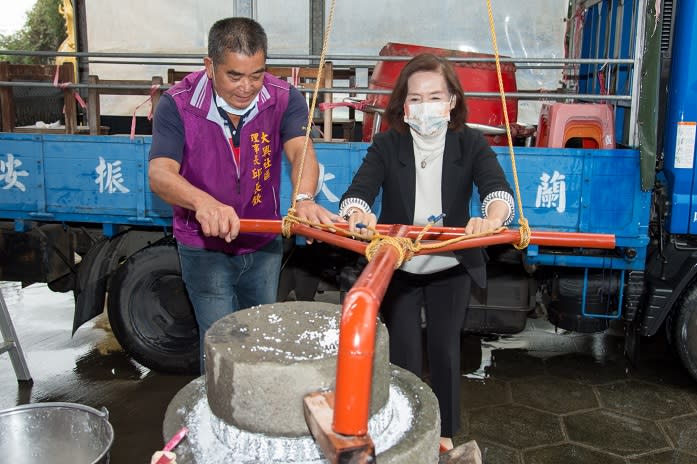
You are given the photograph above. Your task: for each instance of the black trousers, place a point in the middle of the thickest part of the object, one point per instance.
(445, 296)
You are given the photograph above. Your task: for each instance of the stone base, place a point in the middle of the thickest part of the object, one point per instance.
(405, 431)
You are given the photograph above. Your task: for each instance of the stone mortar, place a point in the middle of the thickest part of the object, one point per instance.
(262, 361)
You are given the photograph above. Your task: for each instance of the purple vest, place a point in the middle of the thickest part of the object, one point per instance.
(207, 161)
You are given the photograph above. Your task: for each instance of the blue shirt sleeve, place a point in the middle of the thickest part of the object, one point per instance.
(295, 118)
(167, 131)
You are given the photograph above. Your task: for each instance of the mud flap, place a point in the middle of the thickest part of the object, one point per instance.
(632, 341)
(93, 275)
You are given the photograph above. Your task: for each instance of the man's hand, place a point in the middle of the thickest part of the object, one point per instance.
(218, 220)
(312, 212)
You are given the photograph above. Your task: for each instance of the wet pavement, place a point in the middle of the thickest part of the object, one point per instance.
(89, 368)
(537, 397)
(547, 396)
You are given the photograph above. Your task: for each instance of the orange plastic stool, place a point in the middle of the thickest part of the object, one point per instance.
(592, 123)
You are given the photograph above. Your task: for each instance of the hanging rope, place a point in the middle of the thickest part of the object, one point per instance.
(404, 246)
(524, 226)
(291, 217)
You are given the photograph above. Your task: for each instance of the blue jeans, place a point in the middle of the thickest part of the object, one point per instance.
(220, 284)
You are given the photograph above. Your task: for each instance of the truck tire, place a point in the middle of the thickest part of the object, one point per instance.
(685, 330)
(150, 312)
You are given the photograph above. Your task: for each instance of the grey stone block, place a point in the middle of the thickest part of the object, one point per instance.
(262, 361)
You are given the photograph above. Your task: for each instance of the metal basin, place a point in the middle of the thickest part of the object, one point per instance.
(59, 433)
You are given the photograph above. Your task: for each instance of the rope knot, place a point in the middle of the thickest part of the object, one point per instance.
(524, 234)
(287, 223)
(401, 244)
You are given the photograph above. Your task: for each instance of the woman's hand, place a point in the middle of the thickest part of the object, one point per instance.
(478, 225)
(361, 223)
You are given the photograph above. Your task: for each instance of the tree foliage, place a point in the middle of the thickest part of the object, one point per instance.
(44, 30)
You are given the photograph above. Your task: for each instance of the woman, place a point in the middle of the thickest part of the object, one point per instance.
(426, 166)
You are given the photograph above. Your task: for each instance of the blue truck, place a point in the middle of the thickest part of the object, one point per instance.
(76, 211)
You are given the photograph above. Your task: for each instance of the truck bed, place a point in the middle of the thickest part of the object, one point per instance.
(103, 179)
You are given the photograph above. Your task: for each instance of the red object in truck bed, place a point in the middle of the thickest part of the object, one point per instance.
(474, 77)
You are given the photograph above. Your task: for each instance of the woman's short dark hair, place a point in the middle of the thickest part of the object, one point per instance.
(237, 35)
(394, 113)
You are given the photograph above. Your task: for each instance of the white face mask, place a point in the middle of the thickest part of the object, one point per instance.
(427, 118)
(222, 104)
(237, 112)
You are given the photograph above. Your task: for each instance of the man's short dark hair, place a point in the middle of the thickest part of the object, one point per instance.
(237, 35)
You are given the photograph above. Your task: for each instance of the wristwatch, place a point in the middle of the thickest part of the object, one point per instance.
(304, 196)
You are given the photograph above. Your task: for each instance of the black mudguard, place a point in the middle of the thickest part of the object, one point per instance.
(93, 274)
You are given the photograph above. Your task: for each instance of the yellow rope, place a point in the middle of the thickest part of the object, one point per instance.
(308, 128)
(401, 244)
(287, 223)
(524, 225)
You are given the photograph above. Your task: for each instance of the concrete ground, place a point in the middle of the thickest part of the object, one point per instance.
(544, 396)
(538, 397)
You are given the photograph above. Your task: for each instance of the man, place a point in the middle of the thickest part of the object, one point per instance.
(216, 151)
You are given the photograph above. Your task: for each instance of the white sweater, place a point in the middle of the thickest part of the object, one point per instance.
(428, 201)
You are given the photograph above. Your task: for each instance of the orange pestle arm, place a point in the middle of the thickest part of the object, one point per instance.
(544, 238)
(562, 239)
(354, 366)
(274, 226)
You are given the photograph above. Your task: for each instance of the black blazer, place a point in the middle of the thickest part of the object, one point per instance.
(467, 160)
